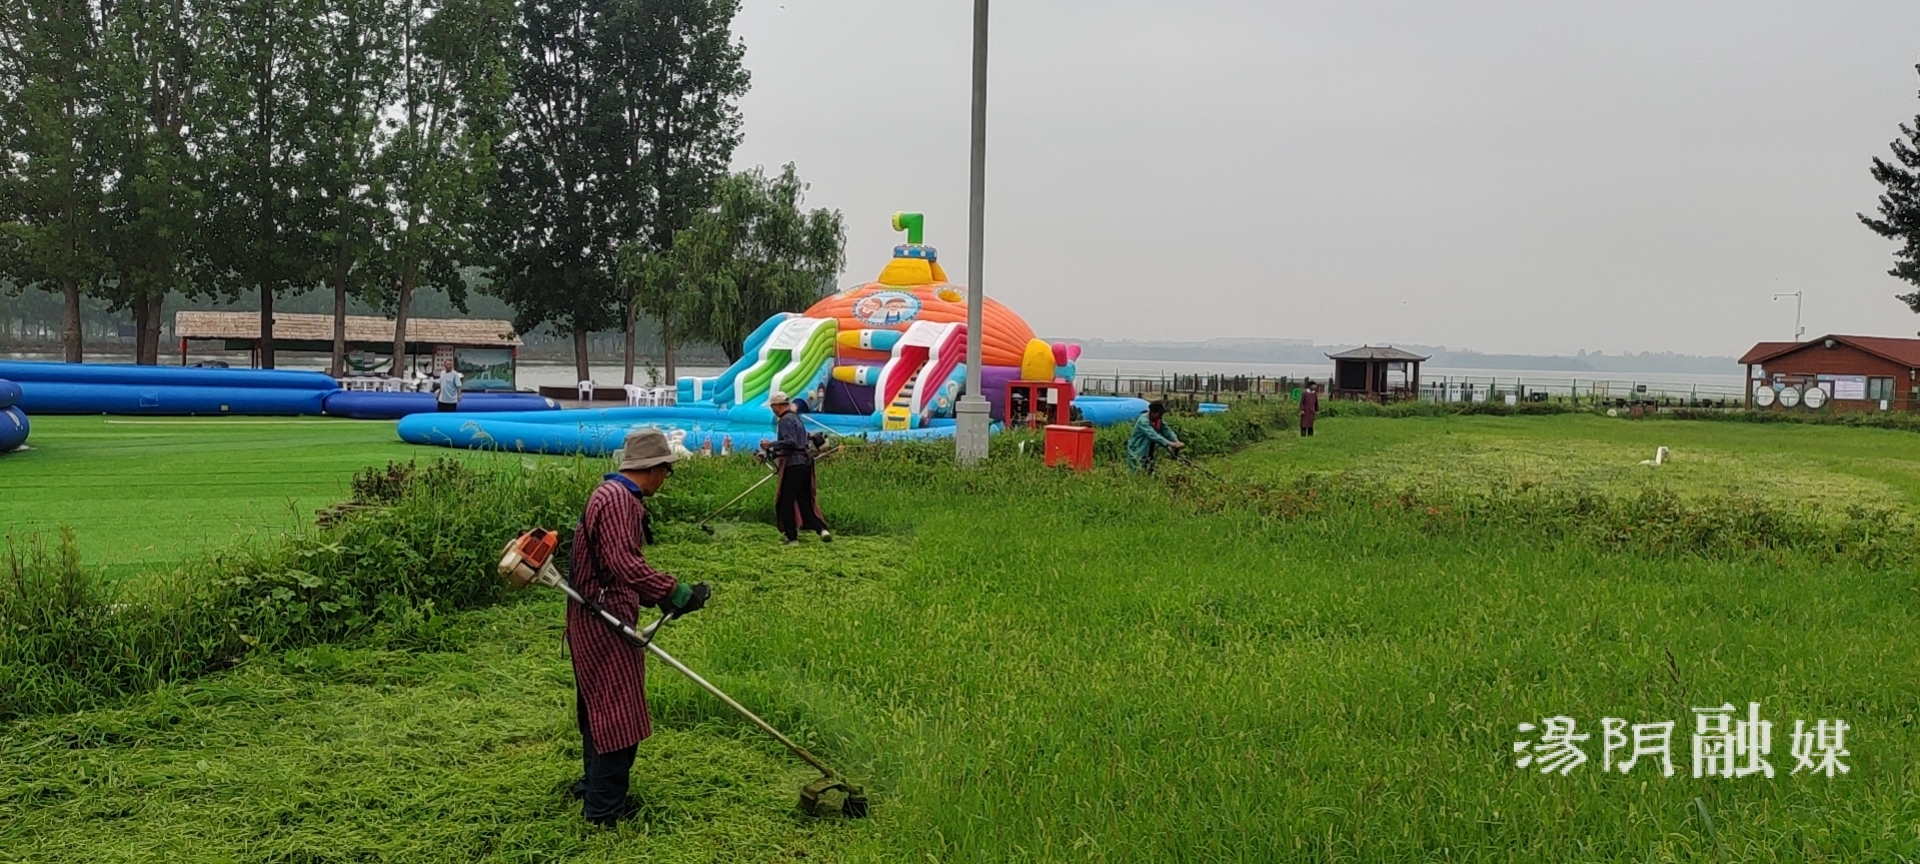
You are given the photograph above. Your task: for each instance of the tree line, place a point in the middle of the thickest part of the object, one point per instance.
(572, 153)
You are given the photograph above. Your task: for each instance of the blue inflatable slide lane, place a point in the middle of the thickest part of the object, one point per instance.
(363, 405)
(73, 388)
(13, 421)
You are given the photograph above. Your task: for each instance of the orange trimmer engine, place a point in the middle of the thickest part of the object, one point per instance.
(528, 560)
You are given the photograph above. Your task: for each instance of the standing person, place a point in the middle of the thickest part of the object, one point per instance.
(1150, 433)
(1309, 409)
(796, 502)
(609, 567)
(449, 398)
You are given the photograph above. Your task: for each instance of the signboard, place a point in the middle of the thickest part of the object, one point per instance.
(1849, 386)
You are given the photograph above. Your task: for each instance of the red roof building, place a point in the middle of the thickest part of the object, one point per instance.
(1834, 373)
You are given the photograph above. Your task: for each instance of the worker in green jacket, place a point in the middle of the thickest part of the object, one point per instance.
(1150, 432)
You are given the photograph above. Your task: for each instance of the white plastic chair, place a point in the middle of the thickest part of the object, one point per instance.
(586, 390)
(635, 393)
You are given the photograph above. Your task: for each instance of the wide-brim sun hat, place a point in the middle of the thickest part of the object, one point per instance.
(644, 449)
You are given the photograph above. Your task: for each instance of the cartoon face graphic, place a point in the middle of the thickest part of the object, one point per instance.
(887, 308)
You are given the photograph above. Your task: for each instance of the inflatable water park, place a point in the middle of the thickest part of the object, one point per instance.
(881, 360)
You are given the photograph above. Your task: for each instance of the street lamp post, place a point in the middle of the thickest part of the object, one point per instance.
(972, 415)
(1798, 330)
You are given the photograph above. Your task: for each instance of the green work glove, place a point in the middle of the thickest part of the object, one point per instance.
(686, 598)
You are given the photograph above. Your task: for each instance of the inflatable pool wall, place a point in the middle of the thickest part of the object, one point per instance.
(362, 405)
(105, 388)
(13, 422)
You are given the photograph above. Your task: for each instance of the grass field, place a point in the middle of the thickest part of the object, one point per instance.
(1031, 665)
(141, 491)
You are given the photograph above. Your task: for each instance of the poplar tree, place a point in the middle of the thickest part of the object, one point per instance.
(622, 112)
(53, 169)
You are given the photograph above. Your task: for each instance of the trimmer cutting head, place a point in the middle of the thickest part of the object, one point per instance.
(832, 796)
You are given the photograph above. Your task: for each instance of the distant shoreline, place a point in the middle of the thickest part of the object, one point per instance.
(1298, 352)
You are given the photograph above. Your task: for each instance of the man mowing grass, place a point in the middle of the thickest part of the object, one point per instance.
(796, 504)
(1150, 433)
(609, 567)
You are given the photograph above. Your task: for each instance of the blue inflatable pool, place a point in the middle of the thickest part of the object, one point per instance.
(103, 388)
(162, 376)
(13, 429)
(600, 432)
(1109, 410)
(360, 405)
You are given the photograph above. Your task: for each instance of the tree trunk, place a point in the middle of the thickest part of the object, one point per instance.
(70, 334)
(580, 366)
(154, 317)
(339, 361)
(266, 327)
(341, 264)
(402, 298)
(140, 335)
(628, 379)
(666, 347)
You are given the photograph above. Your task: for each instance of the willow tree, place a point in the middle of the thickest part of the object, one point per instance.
(752, 253)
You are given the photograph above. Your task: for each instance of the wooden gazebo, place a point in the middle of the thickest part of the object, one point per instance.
(1376, 374)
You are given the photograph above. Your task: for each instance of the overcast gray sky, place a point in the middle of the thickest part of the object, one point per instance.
(1504, 175)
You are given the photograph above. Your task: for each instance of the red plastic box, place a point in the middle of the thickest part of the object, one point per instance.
(1070, 445)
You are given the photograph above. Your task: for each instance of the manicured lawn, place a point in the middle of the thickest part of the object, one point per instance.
(141, 491)
(1035, 665)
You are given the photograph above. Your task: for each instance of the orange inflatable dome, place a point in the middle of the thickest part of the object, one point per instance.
(914, 288)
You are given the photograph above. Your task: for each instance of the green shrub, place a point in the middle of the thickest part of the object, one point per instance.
(1901, 420)
(1244, 424)
(415, 543)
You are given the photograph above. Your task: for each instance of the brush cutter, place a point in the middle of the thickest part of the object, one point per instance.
(704, 523)
(771, 473)
(1186, 461)
(529, 560)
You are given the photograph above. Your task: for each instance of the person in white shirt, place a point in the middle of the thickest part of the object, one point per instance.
(449, 398)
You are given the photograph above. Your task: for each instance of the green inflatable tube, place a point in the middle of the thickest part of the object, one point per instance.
(914, 224)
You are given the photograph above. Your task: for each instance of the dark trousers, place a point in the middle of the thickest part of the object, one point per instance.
(443, 407)
(604, 776)
(1306, 431)
(795, 505)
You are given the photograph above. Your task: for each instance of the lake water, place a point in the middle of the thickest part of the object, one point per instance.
(546, 373)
